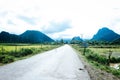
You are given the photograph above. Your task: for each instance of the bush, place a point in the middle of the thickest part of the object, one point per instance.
(6, 59)
(115, 72)
(1, 58)
(95, 57)
(113, 60)
(25, 52)
(13, 53)
(21, 53)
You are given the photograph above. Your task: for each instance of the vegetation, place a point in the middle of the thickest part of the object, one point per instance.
(99, 60)
(12, 52)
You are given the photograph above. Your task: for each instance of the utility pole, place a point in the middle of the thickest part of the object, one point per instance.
(84, 44)
(109, 57)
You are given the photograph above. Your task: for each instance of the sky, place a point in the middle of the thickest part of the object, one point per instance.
(60, 18)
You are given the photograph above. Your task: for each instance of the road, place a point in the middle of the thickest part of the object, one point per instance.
(58, 64)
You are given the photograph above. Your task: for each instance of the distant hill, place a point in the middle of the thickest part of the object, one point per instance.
(29, 36)
(117, 41)
(33, 36)
(105, 34)
(6, 37)
(66, 40)
(76, 39)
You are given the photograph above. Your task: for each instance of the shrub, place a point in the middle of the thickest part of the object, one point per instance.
(1, 58)
(6, 58)
(113, 60)
(13, 53)
(21, 53)
(115, 72)
(25, 52)
(95, 57)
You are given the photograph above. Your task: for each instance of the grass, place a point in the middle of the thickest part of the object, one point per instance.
(96, 58)
(12, 52)
(13, 47)
(105, 51)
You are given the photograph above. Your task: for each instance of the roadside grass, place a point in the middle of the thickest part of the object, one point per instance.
(11, 47)
(97, 58)
(13, 52)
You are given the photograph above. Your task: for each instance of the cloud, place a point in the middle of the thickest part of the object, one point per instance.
(3, 13)
(28, 20)
(60, 18)
(56, 27)
(116, 24)
(9, 22)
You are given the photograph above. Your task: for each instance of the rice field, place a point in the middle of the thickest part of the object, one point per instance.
(17, 47)
(105, 51)
(12, 52)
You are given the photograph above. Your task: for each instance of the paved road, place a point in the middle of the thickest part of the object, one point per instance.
(58, 64)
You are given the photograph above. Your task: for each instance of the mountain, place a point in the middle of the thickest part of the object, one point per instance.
(29, 36)
(105, 34)
(5, 37)
(33, 36)
(67, 40)
(76, 39)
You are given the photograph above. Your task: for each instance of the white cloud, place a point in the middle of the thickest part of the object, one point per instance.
(55, 27)
(85, 16)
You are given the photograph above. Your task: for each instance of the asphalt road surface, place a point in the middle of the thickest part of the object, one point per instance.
(58, 64)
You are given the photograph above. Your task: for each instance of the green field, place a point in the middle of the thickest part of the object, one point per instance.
(12, 52)
(12, 47)
(105, 51)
